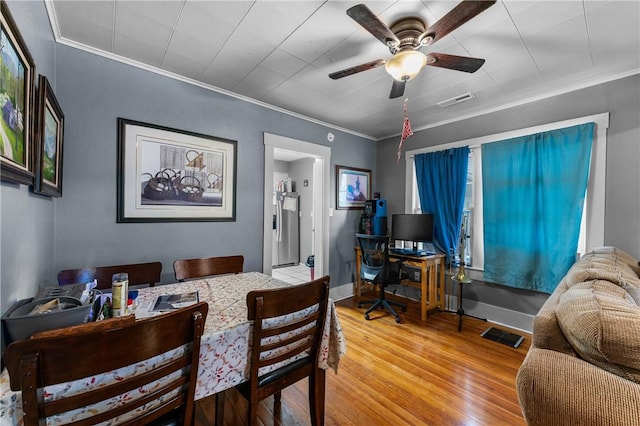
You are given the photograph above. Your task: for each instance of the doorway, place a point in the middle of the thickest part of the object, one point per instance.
(295, 149)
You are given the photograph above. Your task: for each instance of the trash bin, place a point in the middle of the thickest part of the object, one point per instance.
(311, 263)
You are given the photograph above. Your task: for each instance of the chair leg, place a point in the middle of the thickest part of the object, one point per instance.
(317, 383)
(277, 405)
(390, 309)
(366, 302)
(398, 304)
(253, 412)
(312, 399)
(373, 308)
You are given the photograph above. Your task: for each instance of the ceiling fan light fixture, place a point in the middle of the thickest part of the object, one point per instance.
(405, 65)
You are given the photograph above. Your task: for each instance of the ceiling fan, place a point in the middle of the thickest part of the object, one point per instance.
(404, 39)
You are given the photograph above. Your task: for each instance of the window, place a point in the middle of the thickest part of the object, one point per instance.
(592, 227)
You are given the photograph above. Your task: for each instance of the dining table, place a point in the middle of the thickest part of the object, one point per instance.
(224, 349)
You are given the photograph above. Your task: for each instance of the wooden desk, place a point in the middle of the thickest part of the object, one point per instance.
(431, 288)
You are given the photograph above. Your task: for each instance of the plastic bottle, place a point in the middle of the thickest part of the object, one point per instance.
(119, 293)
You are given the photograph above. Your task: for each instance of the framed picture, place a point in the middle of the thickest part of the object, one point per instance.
(49, 137)
(169, 175)
(353, 187)
(17, 71)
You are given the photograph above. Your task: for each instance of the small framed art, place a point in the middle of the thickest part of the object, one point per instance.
(17, 71)
(49, 138)
(353, 187)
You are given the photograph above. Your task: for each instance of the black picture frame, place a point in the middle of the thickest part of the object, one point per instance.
(170, 175)
(353, 187)
(17, 71)
(49, 142)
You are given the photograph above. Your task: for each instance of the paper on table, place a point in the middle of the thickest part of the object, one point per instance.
(167, 302)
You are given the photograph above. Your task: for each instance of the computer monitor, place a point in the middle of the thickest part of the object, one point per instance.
(412, 227)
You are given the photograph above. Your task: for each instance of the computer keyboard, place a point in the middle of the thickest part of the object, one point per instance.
(411, 252)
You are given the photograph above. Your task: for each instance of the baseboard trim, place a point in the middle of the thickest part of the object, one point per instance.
(497, 314)
(494, 314)
(341, 292)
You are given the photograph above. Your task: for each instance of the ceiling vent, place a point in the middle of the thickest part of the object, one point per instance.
(456, 100)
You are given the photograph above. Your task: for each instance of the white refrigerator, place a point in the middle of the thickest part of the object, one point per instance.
(286, 234)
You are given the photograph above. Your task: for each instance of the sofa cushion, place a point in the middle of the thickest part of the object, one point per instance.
(603, 326)
(603, 266)
(622, 255)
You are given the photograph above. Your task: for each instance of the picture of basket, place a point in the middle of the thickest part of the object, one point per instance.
(195, 159)
(174, 178)
(190, 189)
(214, 182)
(159, 187)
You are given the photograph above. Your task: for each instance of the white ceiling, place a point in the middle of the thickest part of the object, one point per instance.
(279, 53)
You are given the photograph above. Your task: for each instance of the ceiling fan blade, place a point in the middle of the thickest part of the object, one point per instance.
(370, 22)
(453, 62)
(460, 14)
(397, 89)
(358, 68)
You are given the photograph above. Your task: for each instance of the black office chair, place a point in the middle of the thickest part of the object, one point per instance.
(376, 269)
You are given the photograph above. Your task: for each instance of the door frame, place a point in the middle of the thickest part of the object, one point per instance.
(321, 198)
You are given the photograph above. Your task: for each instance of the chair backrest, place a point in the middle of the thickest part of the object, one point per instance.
(197, 268)
(273, 344)
(139, 273)
(374, 255)
(73, 371)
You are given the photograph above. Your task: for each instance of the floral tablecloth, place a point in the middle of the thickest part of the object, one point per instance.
(224, 350)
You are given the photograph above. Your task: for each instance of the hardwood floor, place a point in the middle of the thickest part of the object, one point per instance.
(414, 373)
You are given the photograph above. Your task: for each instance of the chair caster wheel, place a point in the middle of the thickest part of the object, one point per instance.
(398, 320)
(366, 316)
(359, 305)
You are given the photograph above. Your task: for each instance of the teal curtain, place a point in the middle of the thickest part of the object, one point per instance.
(442, 182)
(533, 192)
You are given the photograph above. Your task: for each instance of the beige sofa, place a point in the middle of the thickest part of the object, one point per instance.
(583, 367)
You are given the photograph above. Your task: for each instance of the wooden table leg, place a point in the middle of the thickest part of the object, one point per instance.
(424, 291)
(209, 410)
(219, 409)
(357, 278)
(441, 285)
(433, 283)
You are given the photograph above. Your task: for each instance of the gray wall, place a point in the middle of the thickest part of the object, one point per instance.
(95, 92)
(621, 98)
(41, 236)
(27, 220)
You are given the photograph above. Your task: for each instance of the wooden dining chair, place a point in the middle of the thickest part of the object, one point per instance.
(139, 273)
(196, 268)
(79, 372)
(293, 346)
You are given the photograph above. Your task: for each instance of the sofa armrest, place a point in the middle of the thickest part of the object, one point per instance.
(547, 333)
(546, 330)
(559, 389)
